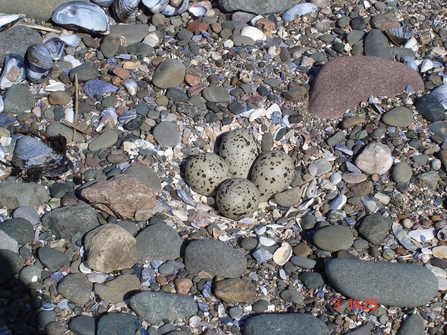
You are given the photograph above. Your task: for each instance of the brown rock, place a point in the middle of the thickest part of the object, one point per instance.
(384, 21)
(295, 93)
(197, 26)
(236, 290)
(118, 289)
(121, 196)
(183, 285)
(109, 248)
(122, 73)
(59, 98)
(346, 81)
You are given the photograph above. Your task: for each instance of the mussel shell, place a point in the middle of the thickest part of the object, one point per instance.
(55, 47)
(81, 15)
(9, 20)
(440, 92)
(401, 35)
(103, 3)
(39, 63)
(299, 10)
(36, 159)
(155, 6)
(197, 11)
(123, 9)
(13, 71)
(98, 87)
(170, 10)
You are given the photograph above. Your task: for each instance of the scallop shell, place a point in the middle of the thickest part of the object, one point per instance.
(81, 15)
(9, 20)
(124, 9)
(254, 33)
(13, 71)
(282, 255)
(299, 10)
(155, 6)
(39, 63)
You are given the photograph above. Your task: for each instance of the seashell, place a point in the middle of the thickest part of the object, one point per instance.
(39, 63)
(36, 159)
(197, 11)
(70, 40)
(2, 105)
(84, 268)
(194, 321)
(97, 277)
(254, 33)
(13, 71)
(48, 307)
(155, 6)
(400, 35)
(262, 255)
(9, 20)
(98, 87)
(409, 61)
(442, 234)
(299, 10)
(103, 3)
(131, 86)
(266, 241)
(170, 10)
(428, 64)
(344, 149)
(282, 255)
(185, 198)
(206, 291)
(440, 92)
(402, 236)
(312, 190)
(422, 235)
(124, 9)
(412, 44)
(335, 178)
(81, 15)
(338, 202)
(369, 204)
(55, 47)
(436, 164)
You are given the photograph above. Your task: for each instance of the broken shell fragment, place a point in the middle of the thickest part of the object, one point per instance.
(9, 20)
(13, 71)
(282, 254)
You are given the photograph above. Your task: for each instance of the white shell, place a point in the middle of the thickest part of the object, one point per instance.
(83, 267)
(267, 241)
(420, 234)
(254, 33)
(194, 321)
(299, 10)
(282, 254)
(442, 234)
(131, 86)
(440, 92)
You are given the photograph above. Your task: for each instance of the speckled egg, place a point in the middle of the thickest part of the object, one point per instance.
(237, 198)
(205, 172)
(272, 172)
(239, 149)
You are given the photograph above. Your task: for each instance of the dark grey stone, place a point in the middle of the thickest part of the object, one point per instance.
(158, 242)
(18, 99)
(413, 325)
(10, 264)
(82, 325)
(428, 180)
(214, 93)
(76, 288)
(19, 229)
(156, 306)
(285, 324)
(393, 284)
(430, 108)
(214, 257)
(333, 238)
(117, 323)
(376, 44)
(311, 279)
(257, 7)
(52, 259)
(375, 228)
(45, 317)
(167, 133)
(71, 222)
(86, 71)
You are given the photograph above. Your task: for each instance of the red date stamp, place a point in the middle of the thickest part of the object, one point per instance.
(368, 304)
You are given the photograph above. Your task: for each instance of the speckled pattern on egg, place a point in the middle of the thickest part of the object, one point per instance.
(237, 198)
(272, 172)
(205, 172)
(239, 149)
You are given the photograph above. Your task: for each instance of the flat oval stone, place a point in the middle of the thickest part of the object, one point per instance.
(285, 324)
(398, 117)
(169, 73)
(353, 178)
(333, 238)
(393, 284)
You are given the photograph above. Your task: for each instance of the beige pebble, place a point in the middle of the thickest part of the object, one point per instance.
(440, 252)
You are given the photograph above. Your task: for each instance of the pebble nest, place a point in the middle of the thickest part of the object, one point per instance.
(228, 82)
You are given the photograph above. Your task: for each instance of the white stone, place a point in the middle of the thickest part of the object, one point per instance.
(375, 158)
(383, 198)
(266, 241)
